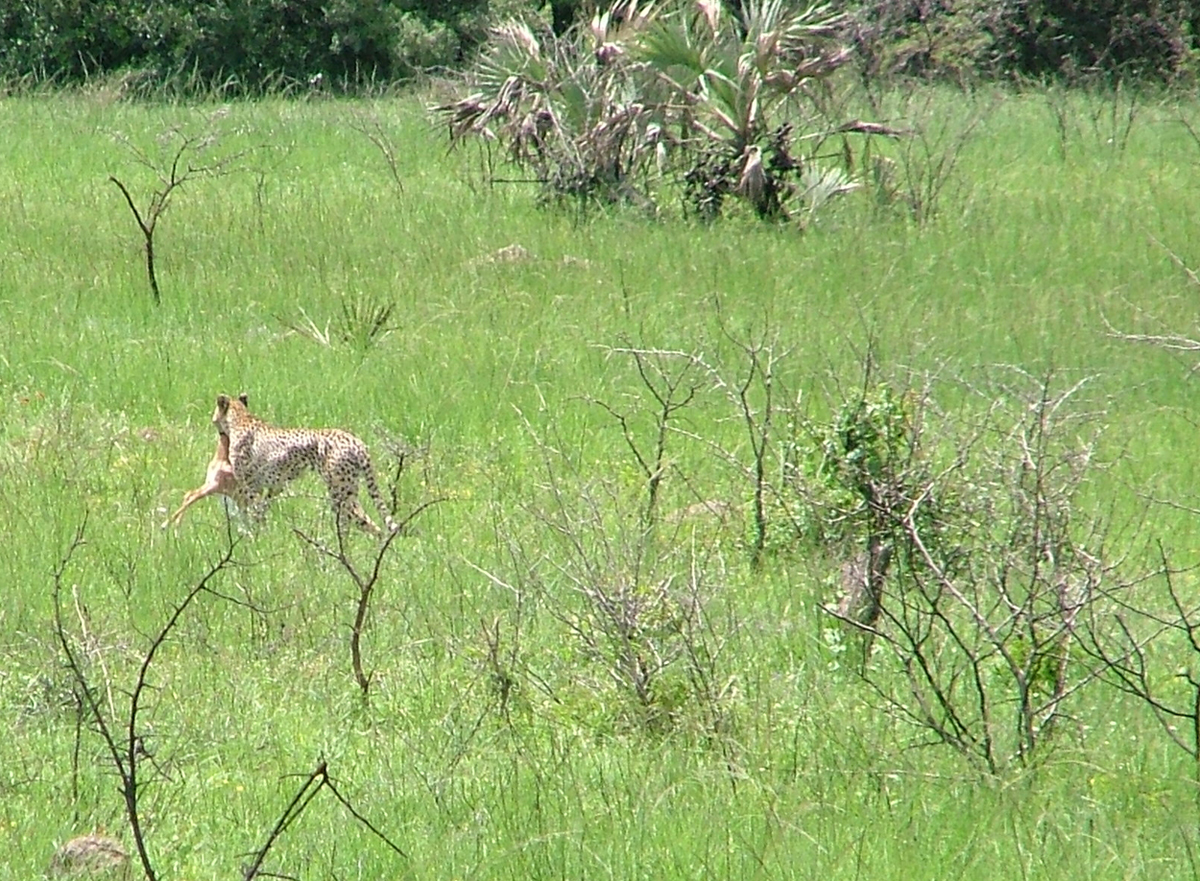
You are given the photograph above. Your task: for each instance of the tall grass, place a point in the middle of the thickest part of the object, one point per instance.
(104, 407)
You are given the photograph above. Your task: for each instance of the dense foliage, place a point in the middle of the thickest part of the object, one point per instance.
(1067, 39)
(723, 103)
(257, 44)
(250, 44)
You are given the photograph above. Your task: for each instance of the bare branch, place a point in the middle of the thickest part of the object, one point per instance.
(173, 173)
(126, 747)
(371, 127)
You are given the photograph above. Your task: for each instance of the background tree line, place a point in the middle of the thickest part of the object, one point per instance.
(246, 44)
(251, 45)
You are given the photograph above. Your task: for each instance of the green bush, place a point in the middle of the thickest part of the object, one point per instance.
(68, 39)
(298, 40)
(249, 44)
(1069, 39)
(1151, 39)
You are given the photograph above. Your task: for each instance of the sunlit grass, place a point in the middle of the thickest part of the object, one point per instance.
(105, 402)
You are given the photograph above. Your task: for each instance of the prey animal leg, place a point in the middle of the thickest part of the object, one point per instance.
(220, 480)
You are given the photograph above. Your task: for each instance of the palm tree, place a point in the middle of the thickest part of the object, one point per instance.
(732, 79)
(648, 88)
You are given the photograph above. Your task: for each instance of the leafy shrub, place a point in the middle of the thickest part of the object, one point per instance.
(985, 589)
(297, 40)
(1141, 38)
(249, 44)
(421, 44)
(67, 39)
(857, 472)
(924, 38)
(1071, 39)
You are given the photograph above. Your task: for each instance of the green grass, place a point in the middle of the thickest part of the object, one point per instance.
(104, 407)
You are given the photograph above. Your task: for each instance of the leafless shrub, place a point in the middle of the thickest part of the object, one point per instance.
(369, 124)
(672, 384)
(1065, 123)
(1117, 110)
(365, 578)
(1184, 115)
(1114, 111)
(1152, 654)
(500, 663)
(634, 607)
(1169, 338)
(921, 170)
(123, 736)
(751, 387)
(184, 156)
(318, 780)
(755, 396)
(127, 746)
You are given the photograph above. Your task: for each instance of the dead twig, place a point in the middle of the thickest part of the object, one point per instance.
(177, 168)
(370, 126)
(311, 787)
(123, 739)
(365, 580)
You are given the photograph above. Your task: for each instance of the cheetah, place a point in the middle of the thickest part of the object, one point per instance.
(220, 479)
(265, 458)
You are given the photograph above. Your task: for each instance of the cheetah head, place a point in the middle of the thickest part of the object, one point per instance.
(228, 409)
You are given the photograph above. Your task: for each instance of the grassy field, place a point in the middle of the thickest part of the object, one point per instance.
(495, 743)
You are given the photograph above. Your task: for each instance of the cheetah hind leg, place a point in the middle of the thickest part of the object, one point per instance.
(377, 497)
(343, 496)
(341, 475)
(348, 507)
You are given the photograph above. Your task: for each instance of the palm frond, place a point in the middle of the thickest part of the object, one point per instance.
(514, 51)
(822, 184)
(721, 94)
(710, 11)
(654, 86)
(668, 44)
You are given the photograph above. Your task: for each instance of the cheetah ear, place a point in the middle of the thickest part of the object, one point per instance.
(244, 399)
(222, 403)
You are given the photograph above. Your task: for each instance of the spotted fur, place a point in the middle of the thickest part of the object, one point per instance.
(266, 458)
